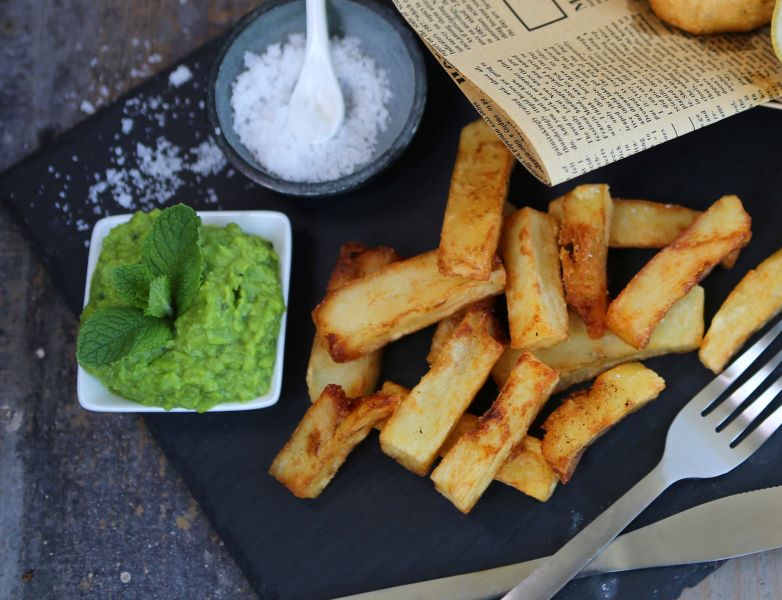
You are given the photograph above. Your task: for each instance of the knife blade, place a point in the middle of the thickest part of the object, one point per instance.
(725, 528)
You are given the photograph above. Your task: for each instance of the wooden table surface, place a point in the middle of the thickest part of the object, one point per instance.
(90, 508)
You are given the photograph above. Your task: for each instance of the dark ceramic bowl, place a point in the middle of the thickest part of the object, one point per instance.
(384, 37)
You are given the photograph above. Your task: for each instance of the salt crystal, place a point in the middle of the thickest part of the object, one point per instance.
(260, 100)
(87, 107)
(180, 76)
(156, 175)
(104, 91)
(209, 159)
(154, 58)
(40, 353)
(127, 126)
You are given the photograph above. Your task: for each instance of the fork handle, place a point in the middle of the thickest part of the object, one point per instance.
(563, 566)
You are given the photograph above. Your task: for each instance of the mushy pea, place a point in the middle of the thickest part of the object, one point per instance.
(224, 345)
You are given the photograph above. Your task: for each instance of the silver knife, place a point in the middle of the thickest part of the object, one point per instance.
(748, 523)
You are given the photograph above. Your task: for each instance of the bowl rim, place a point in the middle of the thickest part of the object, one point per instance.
(101, 229)
(348, 182)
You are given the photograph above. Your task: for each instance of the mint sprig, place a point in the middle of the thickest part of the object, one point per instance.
(131, 282)
(157, 289)
(173, 249)
(111, 333)
(159, 302)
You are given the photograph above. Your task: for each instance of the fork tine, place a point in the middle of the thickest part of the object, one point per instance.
(745, 418)
(717, 386)
(767, 427)
(738, 397)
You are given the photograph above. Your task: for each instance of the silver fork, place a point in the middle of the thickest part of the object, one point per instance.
(699, 445)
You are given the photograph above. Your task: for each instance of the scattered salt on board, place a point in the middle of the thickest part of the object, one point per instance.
(260, 98)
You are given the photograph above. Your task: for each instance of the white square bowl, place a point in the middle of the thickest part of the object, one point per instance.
(270, 225)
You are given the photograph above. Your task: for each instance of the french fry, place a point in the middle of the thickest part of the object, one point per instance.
(443, 333)
(580, 358)
(470, 465)
(357, 377)
(537, 311)
(525, 469)
(403, 297)
(583, 240)
(646, 224)
(447, 326)
(394, 389)
(752, 303)
(641, 223)
(473, 216)
(586, 415)
(673, 271)
(420, 425)
(328, 432)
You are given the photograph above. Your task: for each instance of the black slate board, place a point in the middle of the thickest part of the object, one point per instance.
(377, 525)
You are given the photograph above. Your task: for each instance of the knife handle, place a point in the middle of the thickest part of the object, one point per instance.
(563, 566)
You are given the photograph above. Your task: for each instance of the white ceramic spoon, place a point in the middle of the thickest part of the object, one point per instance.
(317, 108)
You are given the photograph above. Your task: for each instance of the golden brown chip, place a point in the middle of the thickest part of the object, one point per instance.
(580, 358)
(525, 469)
(583, 238)
(640, 223)
(645, 224)
(470, 465)
(420, 425)
(587, 414)
(673, 271)
(328, 432)
(752, 303)
(476, 200)
(537, 311)
(447, 326)
(357, 377)
(401, 298)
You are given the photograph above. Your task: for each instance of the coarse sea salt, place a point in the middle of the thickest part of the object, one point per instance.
(180, 76)
(154, 174)
(260, 98)
(142, 168)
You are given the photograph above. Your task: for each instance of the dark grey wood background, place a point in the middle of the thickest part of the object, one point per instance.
(89, 507)
(86, 500)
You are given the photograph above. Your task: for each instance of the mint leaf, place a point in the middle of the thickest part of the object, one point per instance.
(131, 283)
(108, 334)
(173, 249)
(159, 302)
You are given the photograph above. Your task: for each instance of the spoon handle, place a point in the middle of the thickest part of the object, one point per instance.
(317, 26)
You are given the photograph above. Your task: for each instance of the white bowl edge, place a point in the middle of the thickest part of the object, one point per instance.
(271, 225)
